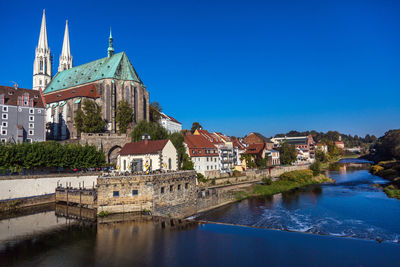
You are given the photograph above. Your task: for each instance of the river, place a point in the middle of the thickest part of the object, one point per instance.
(351, 207)
(334, 225)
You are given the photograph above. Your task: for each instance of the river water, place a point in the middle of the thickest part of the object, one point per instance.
(351, 208)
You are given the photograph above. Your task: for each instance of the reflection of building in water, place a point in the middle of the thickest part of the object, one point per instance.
(146, 235)
(30, 224)
(343, 168)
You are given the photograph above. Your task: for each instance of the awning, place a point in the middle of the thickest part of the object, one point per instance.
(78, 101)
(54, 105)
(62, 103)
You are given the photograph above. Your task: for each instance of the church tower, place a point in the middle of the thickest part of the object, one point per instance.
(43, 60)
(65, 57)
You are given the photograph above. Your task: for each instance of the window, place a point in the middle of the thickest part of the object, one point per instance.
(28, 140)
(215, 159)
(3, 132)
(171, 188)
(199, 151)
(5, 109)
(179, 187)
(211, 167)
(5, 116)
(4, 124)
(3, 140)
(193, 151)
(115, 193)
(31, 111)
(169, 164)
(31, 118)
(31, 125)
(124, 164)
(162, 190)
(207, 167)
(135, 192)
(31, 132)
(186, 185)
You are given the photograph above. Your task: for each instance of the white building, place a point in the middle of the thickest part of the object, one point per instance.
(204, 155)
(170, 123)
(148, 155)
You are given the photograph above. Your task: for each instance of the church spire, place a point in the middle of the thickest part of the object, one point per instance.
(110, 45)
(65, 57)
(43, 44)
(42, 67)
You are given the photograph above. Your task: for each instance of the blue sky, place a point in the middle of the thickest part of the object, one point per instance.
(234, 66)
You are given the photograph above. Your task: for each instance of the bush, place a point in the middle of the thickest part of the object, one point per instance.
(316, 168)
(201, 178)
(266, 181)
(103, 214)
(301, 176)
(375, 169)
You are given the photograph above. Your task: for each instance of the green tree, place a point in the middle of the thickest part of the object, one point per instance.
(124, 116)
(195, 126)
(287, 153)
(155, 111)
(89, 119)
(321, 155)
(316, 168)
(155, 130)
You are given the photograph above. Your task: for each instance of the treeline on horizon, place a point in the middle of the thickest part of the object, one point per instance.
(49, 154)
(332, 136)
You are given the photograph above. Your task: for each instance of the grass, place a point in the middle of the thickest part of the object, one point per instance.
(287, 181)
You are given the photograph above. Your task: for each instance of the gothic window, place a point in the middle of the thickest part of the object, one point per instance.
(127, 94)
(40, 82)
(41, 64)
(169, 164)
(45, 66)
(108, 111)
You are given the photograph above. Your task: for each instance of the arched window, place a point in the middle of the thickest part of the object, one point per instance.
(45, 66)
(169, 164)
(124, 165)
(41, 64)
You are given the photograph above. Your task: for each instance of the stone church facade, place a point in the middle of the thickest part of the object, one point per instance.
(105, 81)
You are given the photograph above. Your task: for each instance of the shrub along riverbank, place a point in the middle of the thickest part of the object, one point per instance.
(286, 182)
(389, 170)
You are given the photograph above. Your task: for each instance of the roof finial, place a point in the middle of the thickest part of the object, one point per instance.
(110, 45)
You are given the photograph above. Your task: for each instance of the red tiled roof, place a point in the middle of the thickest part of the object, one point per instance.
(215, 139)
(143, 147)
(339, 142)
(237, 144)
(200, 145)
(88, 90)
(11, 96)
(255, 148)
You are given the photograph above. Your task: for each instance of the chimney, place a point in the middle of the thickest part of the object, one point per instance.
(146, 138)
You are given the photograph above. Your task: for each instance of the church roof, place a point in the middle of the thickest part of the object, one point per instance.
(117, 66)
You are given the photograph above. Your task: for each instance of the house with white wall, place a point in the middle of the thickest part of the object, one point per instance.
(148, 155)
(204, 155)
(169, 123)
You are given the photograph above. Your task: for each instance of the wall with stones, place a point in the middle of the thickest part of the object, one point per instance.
(163, 194)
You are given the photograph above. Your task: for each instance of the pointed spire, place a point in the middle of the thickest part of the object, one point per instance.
(66, 50)
(43, 34)
(110, 45)
(65, 57)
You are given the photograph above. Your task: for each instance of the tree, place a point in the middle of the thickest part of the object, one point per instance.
(320, 155)
(316, 168)
(388, 146)
(155, 111)
(155, 130)
(195, 126)
(288, 153)
(124, 116)
(89, 119)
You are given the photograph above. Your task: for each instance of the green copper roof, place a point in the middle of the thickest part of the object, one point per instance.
(117, 67)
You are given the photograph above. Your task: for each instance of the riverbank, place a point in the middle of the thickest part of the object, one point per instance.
(389, 170)
(286, 182)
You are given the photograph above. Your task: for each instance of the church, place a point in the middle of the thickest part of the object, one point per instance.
(107, 81)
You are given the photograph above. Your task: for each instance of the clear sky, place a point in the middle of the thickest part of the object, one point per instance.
(234, 66)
